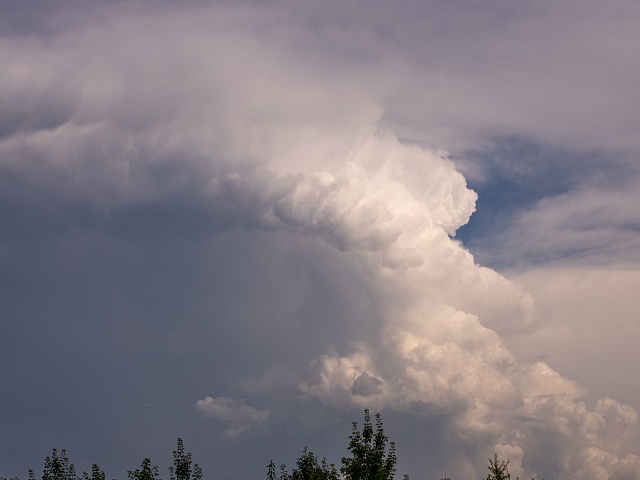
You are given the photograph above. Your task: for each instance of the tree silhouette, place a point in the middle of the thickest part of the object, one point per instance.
(146, 472)
(498, 470)
(307, 468)
(58, 467)
(370, 458)
(181, 469)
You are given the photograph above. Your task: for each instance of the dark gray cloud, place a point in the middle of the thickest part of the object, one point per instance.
(366, 385)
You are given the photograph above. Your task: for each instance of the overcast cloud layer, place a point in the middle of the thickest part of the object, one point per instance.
(241, 225)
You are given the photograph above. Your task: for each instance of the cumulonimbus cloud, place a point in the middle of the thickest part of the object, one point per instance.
(250, 141)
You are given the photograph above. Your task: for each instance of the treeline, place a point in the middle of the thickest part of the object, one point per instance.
(58, 467)
(371, 456)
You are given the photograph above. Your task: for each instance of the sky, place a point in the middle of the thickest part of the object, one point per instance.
(242, 223)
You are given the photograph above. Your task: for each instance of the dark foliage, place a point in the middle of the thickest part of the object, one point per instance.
(372, 456)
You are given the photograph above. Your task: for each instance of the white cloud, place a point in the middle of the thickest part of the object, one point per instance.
(241, 416)
(593, 226)
(591, 325)
(222, 408)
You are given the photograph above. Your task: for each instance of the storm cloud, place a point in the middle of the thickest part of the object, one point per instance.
(237, 224)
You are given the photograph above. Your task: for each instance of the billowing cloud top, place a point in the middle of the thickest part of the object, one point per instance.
(221, 203)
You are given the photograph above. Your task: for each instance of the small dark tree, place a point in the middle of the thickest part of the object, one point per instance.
(58, 467)
(96, 474)
(181, 469)
(308, 468)
(329, 471)
(370, 459)
(145, 472)
(498, 470)
(284, 475)
(271, 471)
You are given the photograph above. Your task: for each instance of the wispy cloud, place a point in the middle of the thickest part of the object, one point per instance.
(240, 415)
